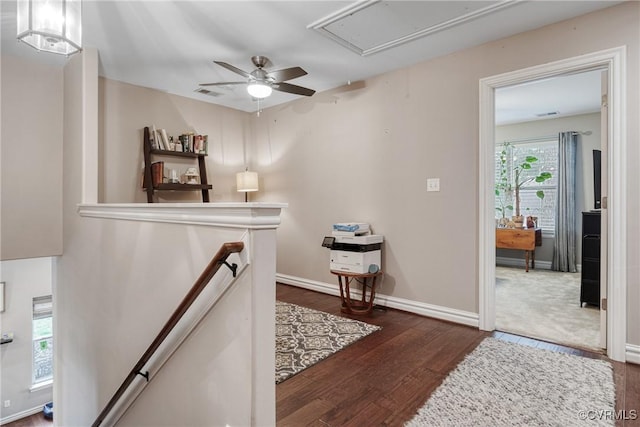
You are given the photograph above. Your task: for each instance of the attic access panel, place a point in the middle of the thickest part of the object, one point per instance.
(367, 27)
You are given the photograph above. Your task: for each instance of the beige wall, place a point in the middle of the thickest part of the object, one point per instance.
(31, 159)
(124, 112)
(365, 155)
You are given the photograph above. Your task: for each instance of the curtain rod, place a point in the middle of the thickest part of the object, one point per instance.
(545, 138)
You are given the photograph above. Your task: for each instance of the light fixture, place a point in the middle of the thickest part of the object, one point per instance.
(259, 89)
(51, 25)
(247, 182)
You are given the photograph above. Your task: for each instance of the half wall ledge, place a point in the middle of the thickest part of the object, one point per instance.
(230, 215)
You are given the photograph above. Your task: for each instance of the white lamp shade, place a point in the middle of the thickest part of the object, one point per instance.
(259, 90)
(247, 181)
(51, 25)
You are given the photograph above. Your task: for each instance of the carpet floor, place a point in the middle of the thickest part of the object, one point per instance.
(508, 384)
(545, 305)
(305, 336)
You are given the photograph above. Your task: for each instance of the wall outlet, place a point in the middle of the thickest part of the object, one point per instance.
(7, 403)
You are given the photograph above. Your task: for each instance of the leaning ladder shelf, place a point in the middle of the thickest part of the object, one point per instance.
(148, 181)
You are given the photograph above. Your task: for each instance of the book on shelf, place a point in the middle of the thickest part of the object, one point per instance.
(192, 143)
(157, 173)
(156, 137)
(165, 139)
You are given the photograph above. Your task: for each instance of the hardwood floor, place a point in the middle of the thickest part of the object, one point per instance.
(36, 420)
(384, 378)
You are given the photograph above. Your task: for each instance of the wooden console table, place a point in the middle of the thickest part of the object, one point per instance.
(367, 280)
(525, 239)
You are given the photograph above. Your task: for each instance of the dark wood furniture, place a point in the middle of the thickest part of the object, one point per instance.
(590, 279)
(148, 181)
(368, 282)
(525, 239)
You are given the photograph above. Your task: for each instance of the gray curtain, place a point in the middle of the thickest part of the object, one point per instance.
(564, 245)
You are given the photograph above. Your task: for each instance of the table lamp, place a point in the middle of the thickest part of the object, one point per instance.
(247, 181)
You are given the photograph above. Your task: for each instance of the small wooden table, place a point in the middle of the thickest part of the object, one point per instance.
(363, 306)
(520, 238)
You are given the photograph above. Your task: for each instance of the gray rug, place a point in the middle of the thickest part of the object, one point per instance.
(305, 336)
(507, 384)
(546, 305)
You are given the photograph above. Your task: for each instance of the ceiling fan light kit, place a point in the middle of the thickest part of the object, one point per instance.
(261, 83)
(259, 90)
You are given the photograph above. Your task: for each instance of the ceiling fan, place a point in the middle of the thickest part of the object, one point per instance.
(260, 82)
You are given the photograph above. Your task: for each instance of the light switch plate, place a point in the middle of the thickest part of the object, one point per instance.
(433, 184)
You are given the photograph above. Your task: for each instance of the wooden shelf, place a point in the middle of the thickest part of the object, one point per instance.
(203, 187)
(182, 187)
(177, 154)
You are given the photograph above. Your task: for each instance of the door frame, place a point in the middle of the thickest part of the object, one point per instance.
(614, 60)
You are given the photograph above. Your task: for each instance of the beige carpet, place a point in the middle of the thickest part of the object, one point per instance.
(546, 305)
(507, 384)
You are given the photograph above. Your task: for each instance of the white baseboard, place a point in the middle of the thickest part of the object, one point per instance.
(518, 262)
(429, 310)
(632, 354)
(20, 415)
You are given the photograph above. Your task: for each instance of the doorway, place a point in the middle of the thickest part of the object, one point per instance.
(613, 60)
(543, 303)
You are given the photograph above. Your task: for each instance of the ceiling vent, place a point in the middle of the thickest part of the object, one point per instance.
(370, 26)
(550, 113)
(207, 92)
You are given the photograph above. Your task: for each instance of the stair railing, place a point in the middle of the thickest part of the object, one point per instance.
(212, 268)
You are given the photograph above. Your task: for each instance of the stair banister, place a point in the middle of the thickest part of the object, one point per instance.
(220, 259)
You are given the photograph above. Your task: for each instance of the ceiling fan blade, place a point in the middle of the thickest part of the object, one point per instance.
(232, 68)
(289, 88)
(286, 74)
(223, 83)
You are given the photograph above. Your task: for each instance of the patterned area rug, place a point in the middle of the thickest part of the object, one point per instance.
(507, 384)
(305, 336)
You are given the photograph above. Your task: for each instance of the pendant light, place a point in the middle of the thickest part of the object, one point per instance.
(51, 25)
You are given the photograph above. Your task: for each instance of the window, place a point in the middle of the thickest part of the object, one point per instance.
(42, 339)
(546, 151)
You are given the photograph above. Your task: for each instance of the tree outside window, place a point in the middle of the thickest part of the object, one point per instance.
(42, 339)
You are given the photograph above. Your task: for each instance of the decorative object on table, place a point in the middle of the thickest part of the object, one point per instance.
(191, 176)
(532, 222)
(51, 26)
(502, 383)
(305, 336)
(513, 174)
(247, 182)
(173, 176)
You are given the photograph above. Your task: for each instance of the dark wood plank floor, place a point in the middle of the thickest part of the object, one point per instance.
(384, 378)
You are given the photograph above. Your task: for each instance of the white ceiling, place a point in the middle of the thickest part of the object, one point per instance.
(171, 45)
